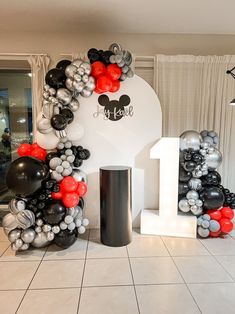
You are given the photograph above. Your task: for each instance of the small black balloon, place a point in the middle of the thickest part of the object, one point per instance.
(55, 78)
(81, 202)
(65, 238)
(62, 65)
(41, 197)
(54, 212)
(74, 150)
(59, 122)
(77, 162)
(49, 184)
(189, 166)
(187, 155)
(212, 197)
(183, 188)
(68, 114)
(41, 205)
(56, 188)
(25, 175)
(184, 176)
(212, 178)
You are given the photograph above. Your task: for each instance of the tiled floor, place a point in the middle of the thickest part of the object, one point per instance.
(152, 275)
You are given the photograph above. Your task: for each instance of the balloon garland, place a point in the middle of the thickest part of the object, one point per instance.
(200, 190)
(46, 179)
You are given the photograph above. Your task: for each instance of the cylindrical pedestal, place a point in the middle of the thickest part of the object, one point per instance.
(115, 205)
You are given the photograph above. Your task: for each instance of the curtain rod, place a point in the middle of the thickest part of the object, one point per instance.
(139, 57)
(22, 54)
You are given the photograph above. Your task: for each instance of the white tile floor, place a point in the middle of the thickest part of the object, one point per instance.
(152, 275)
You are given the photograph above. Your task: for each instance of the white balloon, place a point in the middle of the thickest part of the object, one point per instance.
(74, 131)
(47, 141)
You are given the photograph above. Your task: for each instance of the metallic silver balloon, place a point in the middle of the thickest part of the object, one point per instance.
(24, 247)
(86, 92)
(78, 86)
(79, 175)
(87, 67)
(18, 243)
(46, 87)
(213, 159)
(55, 229)
(74, 105)
(28, 235)
(90, 85)
(55, 162)
(190, 140)
(69, 84)
(44, 126)
(192, 202)
(25, 219)
(192, 195)
(85, 78)
(48, 110)
(64, 95)
(9, 223)
(81, 71)
(196, 210)
(52, 91)
(70, 70)
(208, 140)
(50, 236)
(13, 235)
(77, 62)
(195, 184)
(40, 240)
(130, 73)
(183, 205)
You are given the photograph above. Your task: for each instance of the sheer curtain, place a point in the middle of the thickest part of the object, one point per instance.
(39, 67)
(195, 93)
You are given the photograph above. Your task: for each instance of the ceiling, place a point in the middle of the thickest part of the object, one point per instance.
(119, 16)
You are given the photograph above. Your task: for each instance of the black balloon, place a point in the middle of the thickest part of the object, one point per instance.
(189, 166)
(77, 162)
(61, 65)
(59, 122)
(25, 175)
(212, 197)
(55, 78)
(184, 176)
(198, 158)
(54, 212)
(212, 178)
(68, 114)
(81, 202)
(183, 188)
(83, 154)
(65, 238)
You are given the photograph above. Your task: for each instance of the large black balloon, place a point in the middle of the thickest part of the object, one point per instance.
(65, 238)
(54, 212)
(25, 175)
(55, 78)
(59, 122)
(212, 197)
(212, 178)
(184, 176)
(62, 65)
(68, 114)
(183, 188)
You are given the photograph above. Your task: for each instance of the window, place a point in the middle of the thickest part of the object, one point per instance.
(15, 119)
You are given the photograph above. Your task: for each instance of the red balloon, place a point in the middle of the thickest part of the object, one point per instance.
(214, 214)
(39, 153)
(227, 212)
(226, 225)
(68, 184)
(97, 69)
(215, 234)
(82, 188)
(115, 86)
(70, 199)
(56, 195)
(35, 145)
(114, 71)
(98, 91)
(24, 150)
(104, 83)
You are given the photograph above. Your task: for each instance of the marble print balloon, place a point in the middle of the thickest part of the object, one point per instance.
(25, 219)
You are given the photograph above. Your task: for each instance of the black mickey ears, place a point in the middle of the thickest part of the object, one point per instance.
(103, 100)
(124, 100)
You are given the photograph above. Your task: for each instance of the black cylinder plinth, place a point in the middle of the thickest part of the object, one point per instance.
(115, 205)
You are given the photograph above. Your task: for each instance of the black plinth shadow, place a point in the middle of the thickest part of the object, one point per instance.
(115, 205)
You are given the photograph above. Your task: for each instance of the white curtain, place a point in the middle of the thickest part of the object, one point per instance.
(195, 93)
(39, 67)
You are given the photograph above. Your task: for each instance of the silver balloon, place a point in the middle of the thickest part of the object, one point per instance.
(85, 222)
(130, 73)
(55, 229)
(13, 235)
(87, 67)
(44, 126)
(70, 70)
(9, 223)
(90, 85)
(18, 243)
(40, 240)
(73, 211)
(47, 110)
(64, 95)
(213, 159)
(54, 162)
(46, 87)
(50, 236)
(214, 226)
(195, 184)
(77, 62)
(208, 139)
(24, 247)
(183, 205)
(199, 203)
(28, 235)
(74, 105)
(78, 86)
(25, 219)
(196, 210)
(86, 92)
(190, 140)
(69, 84)
(204, 233)
(46, 228)
(79, 175)
(191, 202)
(192, 195)
(85, 78)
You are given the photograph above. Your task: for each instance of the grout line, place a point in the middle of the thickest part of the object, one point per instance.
(80, 292)
(181, 276)
(137, 302)
(5, 249)
(27, 289)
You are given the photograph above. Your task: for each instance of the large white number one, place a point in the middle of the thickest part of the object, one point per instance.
(166, 221)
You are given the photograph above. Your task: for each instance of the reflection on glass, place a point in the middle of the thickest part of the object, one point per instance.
(15, 120)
